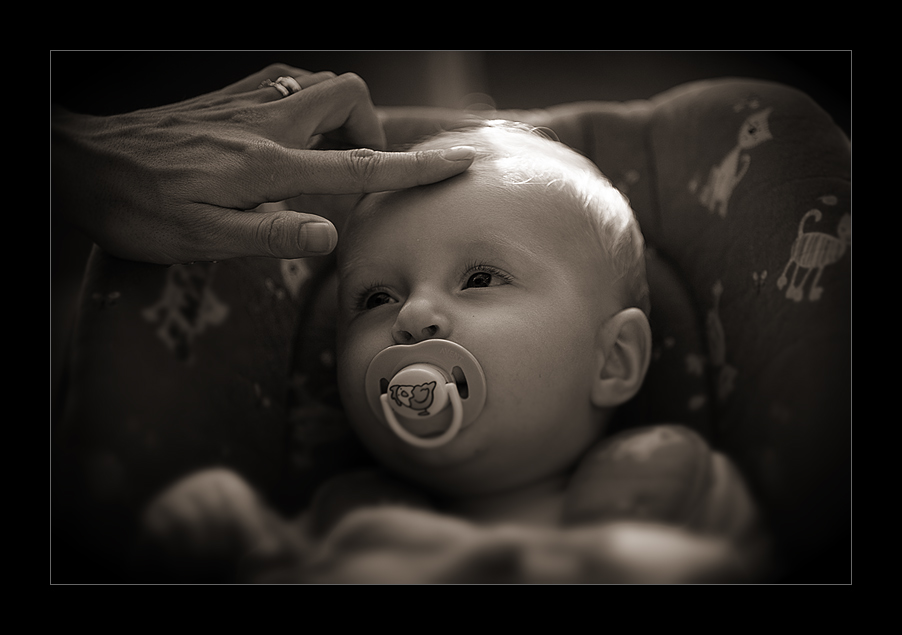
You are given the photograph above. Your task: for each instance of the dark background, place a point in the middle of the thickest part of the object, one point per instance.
(100, 82)
(109, 82)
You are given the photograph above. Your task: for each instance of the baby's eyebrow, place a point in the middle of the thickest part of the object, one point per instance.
(355, 269)
(355, 264)
(498, 248)
(502, 246)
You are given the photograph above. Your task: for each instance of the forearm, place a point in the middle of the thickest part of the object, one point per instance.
(88, 190)
(69, 167)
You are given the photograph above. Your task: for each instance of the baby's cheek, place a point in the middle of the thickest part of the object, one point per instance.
(538, 379)
(351, 372)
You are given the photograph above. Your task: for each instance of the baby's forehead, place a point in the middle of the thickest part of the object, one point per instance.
(522, 221)
(503, 181)
(478, 200)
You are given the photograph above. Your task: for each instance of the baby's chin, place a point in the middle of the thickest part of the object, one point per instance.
(472, 464)
(460, 476)
(387, 446)
(418, 463)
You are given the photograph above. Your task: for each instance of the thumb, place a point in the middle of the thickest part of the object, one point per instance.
(276, 234)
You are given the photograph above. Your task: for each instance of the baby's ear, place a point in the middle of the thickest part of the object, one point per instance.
(623, 350)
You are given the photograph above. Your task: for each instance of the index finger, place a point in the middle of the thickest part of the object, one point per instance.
(359, 171)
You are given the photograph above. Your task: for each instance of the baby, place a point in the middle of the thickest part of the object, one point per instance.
(534, 264)
(489, 326)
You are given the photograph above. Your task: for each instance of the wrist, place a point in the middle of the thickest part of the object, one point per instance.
(67, 159)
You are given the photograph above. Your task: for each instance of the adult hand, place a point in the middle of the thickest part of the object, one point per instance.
(188, 181)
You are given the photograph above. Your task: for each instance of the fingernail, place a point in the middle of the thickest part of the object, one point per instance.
(459, 153)
(318, 238)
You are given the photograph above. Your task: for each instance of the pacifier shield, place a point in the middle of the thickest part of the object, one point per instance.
(426, 392)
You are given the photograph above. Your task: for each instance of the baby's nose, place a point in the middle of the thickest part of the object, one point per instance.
(406, 337)
(420, 319)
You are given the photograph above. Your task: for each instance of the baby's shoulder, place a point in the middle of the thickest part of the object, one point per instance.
(658, 473)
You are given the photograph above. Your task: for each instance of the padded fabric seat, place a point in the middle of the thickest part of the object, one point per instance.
(742, 189)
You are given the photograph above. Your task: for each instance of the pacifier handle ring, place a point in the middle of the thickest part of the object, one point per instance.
(456, 421)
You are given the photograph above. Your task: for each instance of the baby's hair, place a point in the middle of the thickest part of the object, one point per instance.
(525, 154)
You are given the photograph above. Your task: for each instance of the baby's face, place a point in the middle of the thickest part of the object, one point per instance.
(510, 276)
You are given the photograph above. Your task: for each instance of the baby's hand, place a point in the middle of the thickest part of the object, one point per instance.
(209, 520)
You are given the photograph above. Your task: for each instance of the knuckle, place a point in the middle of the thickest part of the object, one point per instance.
(278, 68)
(354, 82)
(362, 165)
(267, 235)
(190, 241)
(252, 161)
(256, 151)
(421, 165)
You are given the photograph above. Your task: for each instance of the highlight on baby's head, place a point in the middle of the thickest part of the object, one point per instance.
(525, 158)
(524, 155)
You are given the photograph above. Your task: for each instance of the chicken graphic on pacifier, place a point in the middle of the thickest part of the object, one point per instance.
(414, 397)
(426, 392)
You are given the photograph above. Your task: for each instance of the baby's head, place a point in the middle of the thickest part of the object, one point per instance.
(533, 263)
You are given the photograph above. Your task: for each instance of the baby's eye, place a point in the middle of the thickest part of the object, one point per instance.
(377, 299)
(483, 276)
(479, 279)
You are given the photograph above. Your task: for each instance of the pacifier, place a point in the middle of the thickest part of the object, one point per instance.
(426, 392)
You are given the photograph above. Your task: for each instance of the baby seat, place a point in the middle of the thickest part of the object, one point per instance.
(742, 189)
